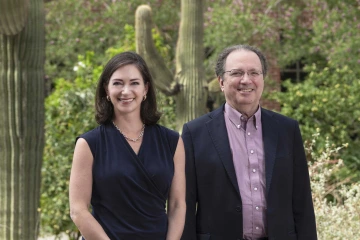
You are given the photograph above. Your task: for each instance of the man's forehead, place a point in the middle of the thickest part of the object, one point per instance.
(243, 57)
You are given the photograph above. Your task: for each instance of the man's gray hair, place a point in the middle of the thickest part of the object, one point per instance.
(220, 63)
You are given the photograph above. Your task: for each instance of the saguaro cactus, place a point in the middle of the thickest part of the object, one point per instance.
(22, 41)
(188, 83)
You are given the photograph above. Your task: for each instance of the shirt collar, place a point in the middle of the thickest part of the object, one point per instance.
(235, 116)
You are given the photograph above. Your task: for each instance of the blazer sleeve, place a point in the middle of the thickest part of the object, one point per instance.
(303, 210)
(191, 186)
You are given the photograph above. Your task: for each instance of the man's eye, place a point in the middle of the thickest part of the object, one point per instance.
(254, 74)
(237, 74)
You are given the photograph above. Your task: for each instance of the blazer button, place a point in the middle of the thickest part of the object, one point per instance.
(238, 209)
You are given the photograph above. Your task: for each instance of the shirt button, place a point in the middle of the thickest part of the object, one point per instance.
(255, 188)
(257, 208)
(248, 134)
(254, 170)
(257, 228)
(252, 151)
(238, 126)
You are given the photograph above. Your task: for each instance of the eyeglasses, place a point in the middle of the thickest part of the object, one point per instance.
(238, 73)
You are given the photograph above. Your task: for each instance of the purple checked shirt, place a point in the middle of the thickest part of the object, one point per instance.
(246, 143)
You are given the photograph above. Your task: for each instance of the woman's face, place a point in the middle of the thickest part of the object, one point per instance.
(126, 89)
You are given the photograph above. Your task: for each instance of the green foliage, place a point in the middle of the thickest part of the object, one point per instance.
(239, 22)
(259, 23)
(328, 100)
(69, 113)
(329, 33)
(76, 26)
(127, 43)
(318, 31)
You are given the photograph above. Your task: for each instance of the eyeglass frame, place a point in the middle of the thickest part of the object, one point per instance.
(249, 73)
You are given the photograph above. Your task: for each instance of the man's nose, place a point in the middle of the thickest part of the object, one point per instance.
(246, 78)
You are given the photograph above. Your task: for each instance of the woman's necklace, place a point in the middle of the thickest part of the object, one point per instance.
(131, 139)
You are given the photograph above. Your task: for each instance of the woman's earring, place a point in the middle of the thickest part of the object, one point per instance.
(144, 98)
(108, 98)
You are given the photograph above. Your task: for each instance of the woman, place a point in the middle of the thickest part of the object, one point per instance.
(128, 167)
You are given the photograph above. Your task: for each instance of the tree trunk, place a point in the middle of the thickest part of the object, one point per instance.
(188, 83)
(22, 55)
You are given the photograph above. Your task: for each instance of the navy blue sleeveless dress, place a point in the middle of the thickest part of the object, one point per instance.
(130, 190)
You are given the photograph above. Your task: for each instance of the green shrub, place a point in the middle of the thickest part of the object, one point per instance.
(328, 99)
(69, 113)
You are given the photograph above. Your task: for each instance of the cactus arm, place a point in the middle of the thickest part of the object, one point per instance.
(163, 78)
(189, 83)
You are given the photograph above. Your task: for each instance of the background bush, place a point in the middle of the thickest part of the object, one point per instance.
(69, 113)
(328, 99)
(336, 204)
(328, 96)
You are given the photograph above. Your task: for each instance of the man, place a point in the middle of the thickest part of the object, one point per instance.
(247, 175)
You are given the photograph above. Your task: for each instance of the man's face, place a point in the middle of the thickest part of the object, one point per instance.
(243, 93)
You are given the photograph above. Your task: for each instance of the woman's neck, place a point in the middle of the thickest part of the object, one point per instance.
(129, 123)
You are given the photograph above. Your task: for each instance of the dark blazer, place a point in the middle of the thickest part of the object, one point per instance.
(214, 208)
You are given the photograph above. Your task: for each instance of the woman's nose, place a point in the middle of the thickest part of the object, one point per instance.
(125, 89)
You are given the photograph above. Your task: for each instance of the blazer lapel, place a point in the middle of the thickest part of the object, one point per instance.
(270, 139)
(218, 133)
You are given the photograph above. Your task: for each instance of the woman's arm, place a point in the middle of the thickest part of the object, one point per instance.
(80, 193)
(176, 204)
